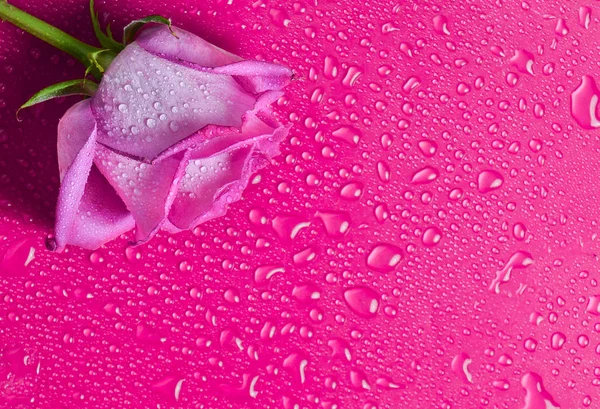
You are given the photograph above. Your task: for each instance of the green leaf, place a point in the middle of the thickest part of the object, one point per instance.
(63, 89)
(107, 42)
(135, 26)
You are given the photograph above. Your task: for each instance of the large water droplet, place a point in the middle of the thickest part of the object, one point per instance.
(489, 180)
(426, 175)
(362, 300)
(384, 257)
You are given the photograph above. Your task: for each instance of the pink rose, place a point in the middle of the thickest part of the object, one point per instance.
(171, 137)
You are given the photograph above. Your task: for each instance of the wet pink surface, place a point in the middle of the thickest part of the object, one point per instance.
(427, 239)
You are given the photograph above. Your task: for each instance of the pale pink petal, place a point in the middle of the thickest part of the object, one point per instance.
(211, 183)
(212, 139)
(74, 130)
(102, 215)
(89, 213)
(186, 47)
(75, 162)
(258, 76)
(145, 103)
(146, 189)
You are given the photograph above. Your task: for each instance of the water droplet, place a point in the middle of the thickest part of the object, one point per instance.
(428, 147)
(352, 191)
(520, 259)
(593, 306)
(523, 61)
(347, 134)
(561, 27)
(426, 175)
(584, 103)
(440, 25)
(460, 366)
(336, 224)
(489, 180)
(363, 301)
(384, 257)
(557, 340)
(585, 16)
(431, 236)
(537, 397)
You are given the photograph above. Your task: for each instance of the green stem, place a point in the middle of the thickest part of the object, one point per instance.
(88, 55)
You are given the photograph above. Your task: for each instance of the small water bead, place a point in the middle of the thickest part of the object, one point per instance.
(150, 123)
(123, 108)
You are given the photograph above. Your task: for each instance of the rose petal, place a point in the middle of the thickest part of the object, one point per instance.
(145, 103)
(186, 46)
(89, 213)
(211, 183)
(74, 130)
(102, 215)
(146, 189)
(212, 139)
(258, 76)
(76, 146)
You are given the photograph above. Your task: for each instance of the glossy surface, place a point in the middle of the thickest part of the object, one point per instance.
(428, 237)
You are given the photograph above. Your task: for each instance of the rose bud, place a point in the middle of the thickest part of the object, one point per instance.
(170, 138)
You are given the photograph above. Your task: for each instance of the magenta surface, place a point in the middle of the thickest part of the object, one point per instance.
(428, 237)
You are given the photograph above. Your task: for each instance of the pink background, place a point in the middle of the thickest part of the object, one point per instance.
(427, 239)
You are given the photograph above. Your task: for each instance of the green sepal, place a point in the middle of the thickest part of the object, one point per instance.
(63, 89)
(134, 27)
(107, 41)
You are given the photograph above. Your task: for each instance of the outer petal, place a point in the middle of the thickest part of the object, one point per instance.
(88, 213)
(147, 189)
(74, 130)
(145, 103)
(102, 215)
(76, 146)
(211, 183)
(213, 139)
(186, 47)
